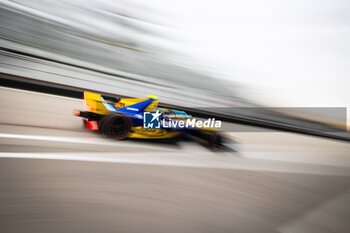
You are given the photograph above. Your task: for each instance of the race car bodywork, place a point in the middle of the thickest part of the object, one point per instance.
(123, 118)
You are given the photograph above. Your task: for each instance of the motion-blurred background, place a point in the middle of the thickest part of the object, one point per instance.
(264, 67)
(197, 54)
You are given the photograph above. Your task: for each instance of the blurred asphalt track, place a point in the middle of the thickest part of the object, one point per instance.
(56, 177)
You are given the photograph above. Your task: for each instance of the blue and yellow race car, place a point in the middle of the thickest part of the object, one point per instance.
(120, 118)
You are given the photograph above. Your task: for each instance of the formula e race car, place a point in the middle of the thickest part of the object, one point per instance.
(120, 118)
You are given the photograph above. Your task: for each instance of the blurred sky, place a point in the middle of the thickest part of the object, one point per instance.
(283, 53)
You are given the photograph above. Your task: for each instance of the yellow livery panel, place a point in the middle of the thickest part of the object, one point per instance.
(140, 132)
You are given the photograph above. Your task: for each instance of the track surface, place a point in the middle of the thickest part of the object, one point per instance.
(56, 177)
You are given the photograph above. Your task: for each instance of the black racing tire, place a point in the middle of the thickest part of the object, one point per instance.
(215, 140)
(116, 126)
(101, 124)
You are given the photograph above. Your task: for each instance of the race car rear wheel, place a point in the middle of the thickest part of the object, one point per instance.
(115, 126)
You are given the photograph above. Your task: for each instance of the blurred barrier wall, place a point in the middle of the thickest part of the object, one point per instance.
(39, 29)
